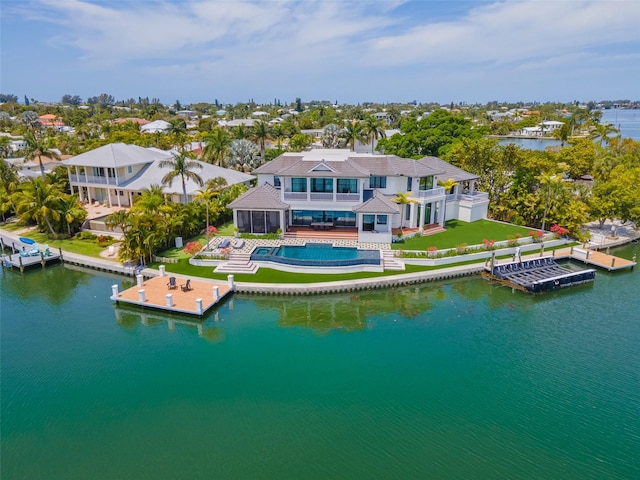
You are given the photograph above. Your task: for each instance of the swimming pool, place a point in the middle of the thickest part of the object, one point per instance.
(316, 255)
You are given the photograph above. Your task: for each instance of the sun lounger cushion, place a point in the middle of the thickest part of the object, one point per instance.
(224, 243)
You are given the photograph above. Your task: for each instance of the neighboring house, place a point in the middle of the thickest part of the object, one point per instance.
(50, 120)
(116, 173)
(156, 126)
(343, 190)
(139, 121)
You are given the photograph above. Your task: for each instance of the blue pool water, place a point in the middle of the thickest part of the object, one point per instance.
(316, 254)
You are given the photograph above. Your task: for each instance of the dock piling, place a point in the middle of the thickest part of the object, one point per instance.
(114, 290)
(140, 280)
(231, 283)
(141, 296)
(199, 306)
(169, 300)
(162, 269)
(216, 293)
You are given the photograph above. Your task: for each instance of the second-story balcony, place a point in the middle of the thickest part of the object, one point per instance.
(474, 197)
(431, 193)
(321, 197)
(93, 179)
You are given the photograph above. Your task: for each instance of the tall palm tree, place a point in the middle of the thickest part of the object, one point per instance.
(217, 146)
(352, 132)
(240, 132)
(551, 188)
(37, 148)
(182, 166)
(260, 134)
(279, 132)
(403, 199)
(151, 200)
(208, 195)
(178, 128)
(39, 201)
(373, 128)
(118, 219)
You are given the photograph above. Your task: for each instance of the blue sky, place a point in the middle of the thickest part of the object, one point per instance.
(349, 51)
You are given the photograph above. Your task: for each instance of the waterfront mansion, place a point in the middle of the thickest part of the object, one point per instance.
(341, 190)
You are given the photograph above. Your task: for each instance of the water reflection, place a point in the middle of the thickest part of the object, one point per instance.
(56, 283)
(129, 318)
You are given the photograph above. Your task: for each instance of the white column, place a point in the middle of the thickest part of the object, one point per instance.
(140, 280)
(162, 269)
(421, 220)
(169, 300)
(199, 306)
(232, 285)
(141, 297)
(114, 291)
(216, 293)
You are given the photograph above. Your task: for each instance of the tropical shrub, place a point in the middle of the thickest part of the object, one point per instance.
(192, 248)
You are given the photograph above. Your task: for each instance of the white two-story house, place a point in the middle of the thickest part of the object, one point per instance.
(117, 173)
(341, 190)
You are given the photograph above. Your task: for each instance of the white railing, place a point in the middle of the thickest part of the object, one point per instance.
(93, 179)
(434, 192)
(347, 197)
(466, 197)
(321, 197)
(295, 196)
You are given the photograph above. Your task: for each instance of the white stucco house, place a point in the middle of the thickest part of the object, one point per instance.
(341, 190)
(117, 173)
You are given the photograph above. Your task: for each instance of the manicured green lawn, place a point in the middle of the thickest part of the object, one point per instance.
(179, 252)
(12, 226)
(82, 247)
(459, 232)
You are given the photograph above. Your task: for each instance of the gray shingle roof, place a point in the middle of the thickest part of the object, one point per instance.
(392, 165)
(263, 197)
(448, 170)
(377, 204)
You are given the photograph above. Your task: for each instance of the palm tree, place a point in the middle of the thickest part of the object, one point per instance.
(448, 184)
(217, 146)
(151, 200)
(279, 132)
(240, 132)
(403, 199)
(603, 132)
(118, 219)
(178, 128)
(373, 128)
(551, 188)
(210, 193)
(182, 166)
(352, 132)
(36, 148)
(9, 180)
(71, 211)
(39, 201)
(260, 134)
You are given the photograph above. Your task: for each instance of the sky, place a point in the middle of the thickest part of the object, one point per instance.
(346, 51)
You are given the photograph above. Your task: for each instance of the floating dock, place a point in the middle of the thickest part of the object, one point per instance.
(155, 293)
(539, 275)
(597, 259)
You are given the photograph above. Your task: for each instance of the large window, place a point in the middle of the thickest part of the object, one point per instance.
(258, 221)
(347, 185)
(426, 183)
(339, 218)
(298, 184)
(322, 185)
(377, 182)
(409, 182)
(382, 219)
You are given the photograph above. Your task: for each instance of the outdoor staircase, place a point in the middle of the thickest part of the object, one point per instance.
(238, 263)
(431, 229)
(390, 261)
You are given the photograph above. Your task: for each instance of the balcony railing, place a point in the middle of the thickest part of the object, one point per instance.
(434, 192)
(93, 179)
(321, 197)
(467, 197)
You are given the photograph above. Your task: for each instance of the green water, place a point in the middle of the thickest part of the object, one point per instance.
(459, 379)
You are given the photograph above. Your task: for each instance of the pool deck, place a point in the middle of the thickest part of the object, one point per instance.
(155, 293)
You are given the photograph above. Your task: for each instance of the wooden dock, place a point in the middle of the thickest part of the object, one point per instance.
(25, 255)
(595, 258)
(155, 293)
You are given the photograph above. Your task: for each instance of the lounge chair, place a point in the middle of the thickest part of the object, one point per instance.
(187, 286)
(172, 283)
(35, 251)
(224, 243)
(239, 243)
